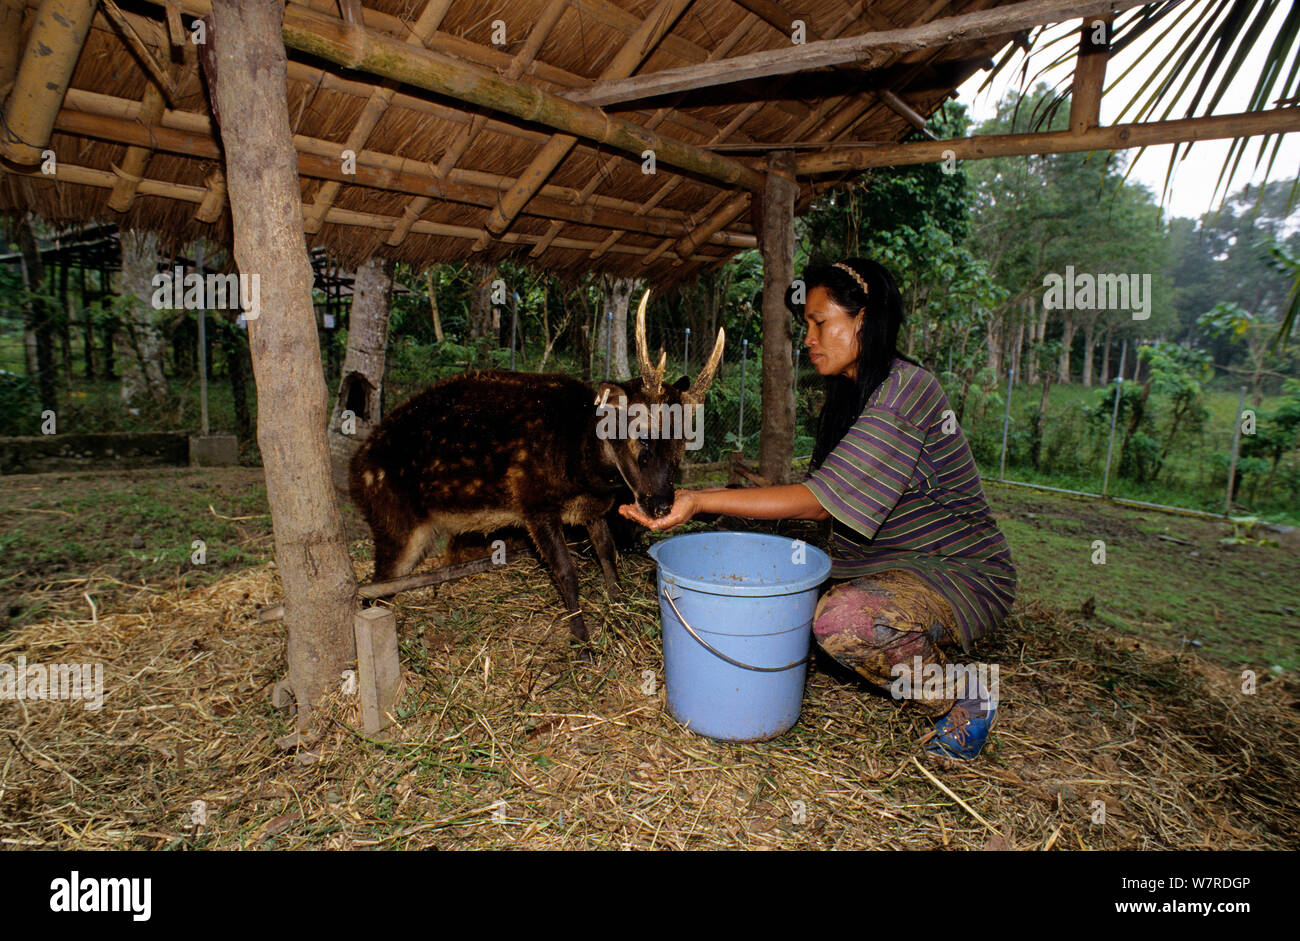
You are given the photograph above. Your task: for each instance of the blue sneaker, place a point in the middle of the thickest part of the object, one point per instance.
(960, 733)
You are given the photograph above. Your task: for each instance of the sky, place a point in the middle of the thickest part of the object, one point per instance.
(1191, 192)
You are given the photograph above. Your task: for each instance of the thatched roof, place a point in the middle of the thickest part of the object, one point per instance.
(430, 170)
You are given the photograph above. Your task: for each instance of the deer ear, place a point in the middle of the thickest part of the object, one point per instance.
(610, 394)
(682, 384)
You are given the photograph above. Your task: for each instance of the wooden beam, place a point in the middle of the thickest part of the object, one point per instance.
(775, 16)
(612, 14)
(1115, 137)
(412, 182)
(105, 179)
(369, 51)
(1089, 74)
(376, 104)
(865, 52)
(191, 122)
(44, 71)
(906, 112)
(658, 23)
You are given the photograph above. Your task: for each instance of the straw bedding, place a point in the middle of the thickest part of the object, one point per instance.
(505, 741)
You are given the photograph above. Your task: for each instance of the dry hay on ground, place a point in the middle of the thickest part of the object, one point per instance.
(506, 742)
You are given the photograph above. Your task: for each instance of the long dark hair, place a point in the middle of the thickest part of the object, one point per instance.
(877, 341)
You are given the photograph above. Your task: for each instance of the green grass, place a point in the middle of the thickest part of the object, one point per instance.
(134, 527)
(1241, 603)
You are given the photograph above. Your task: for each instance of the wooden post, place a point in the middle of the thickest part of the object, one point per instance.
(1089, 74)
(53, 47)
(776, 241)
(244, 60)
(379, 671)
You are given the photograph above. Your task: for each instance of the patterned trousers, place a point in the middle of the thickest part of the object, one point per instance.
(872, 623)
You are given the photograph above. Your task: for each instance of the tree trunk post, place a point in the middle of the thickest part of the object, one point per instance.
(244, 60)
(362, 384)
(619, 292)
(140, 355)
(39, 329)
(1089, 339)
(776, 242)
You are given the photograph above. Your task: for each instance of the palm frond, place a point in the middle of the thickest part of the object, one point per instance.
(1204, 46)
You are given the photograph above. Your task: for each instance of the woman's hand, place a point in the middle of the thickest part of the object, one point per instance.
(685, 506)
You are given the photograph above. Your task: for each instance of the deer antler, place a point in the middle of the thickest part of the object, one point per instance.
(702, 382)
(651, 378)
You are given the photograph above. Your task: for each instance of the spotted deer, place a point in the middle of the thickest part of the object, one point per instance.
(485, 450)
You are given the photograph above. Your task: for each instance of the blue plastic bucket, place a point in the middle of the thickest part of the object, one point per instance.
(737, 612)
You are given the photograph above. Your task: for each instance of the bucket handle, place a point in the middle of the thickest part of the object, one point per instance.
(718, 653)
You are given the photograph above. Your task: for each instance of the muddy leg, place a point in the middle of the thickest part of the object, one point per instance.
(548, 536)
(603, 543)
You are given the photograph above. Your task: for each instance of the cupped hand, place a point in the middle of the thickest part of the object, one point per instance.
(684, 507)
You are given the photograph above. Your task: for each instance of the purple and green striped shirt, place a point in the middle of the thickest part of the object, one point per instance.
(903, 489)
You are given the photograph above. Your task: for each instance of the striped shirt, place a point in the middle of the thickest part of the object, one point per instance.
(904, 493)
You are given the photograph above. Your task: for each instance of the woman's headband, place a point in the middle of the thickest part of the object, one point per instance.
(856, 277)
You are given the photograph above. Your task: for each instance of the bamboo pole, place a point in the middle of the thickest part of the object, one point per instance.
(377, 102)
(369, 51)
(1115, 137)
(704, 232)
(466, 136)
(626, 61)
(773, 15)
(447, 44)
(11, 42)
(105, 179)
(44, 71)
(195, 123)
(411, 182)
(137, 157)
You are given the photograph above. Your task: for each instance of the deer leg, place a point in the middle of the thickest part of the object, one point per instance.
(603, 543)
(548, 536)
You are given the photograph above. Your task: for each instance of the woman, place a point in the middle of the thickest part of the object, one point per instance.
(920, 567)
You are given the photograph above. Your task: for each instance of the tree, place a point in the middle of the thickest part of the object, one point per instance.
(139, 340)
(247, 88)
(358, 405)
